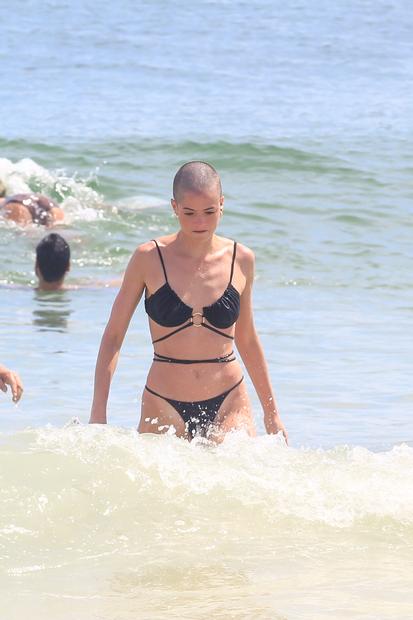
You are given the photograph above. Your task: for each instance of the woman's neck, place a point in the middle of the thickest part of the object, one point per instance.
(194, 247)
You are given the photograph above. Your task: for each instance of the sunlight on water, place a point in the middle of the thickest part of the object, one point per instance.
(139, 514)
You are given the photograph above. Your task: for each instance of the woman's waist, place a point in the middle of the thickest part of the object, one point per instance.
(193, 380)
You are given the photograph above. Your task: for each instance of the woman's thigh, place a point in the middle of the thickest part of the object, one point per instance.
(235, 414)
(158, 416)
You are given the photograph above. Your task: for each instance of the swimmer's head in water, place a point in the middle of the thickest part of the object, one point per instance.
(2, 189)
(53, 257)
(196, 177)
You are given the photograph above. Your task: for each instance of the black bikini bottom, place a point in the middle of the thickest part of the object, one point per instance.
(200, 414)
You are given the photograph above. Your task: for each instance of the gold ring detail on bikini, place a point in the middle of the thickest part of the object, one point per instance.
(197, 314)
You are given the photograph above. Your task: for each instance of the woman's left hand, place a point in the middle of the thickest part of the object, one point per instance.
(8, 377)
(273, 425)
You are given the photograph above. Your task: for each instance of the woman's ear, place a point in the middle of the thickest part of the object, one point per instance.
(174, 206)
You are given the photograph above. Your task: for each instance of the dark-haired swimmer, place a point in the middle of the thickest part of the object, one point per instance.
(198, 289)
(52, 262)
(30, 209)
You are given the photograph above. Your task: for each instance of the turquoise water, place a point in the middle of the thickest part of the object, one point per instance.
(306, 111)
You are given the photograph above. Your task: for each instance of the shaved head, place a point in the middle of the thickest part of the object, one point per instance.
(196, 177)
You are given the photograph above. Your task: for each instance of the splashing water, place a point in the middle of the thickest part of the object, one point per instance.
(131, 515)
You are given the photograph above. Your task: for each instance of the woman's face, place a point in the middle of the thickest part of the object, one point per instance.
(199, 213)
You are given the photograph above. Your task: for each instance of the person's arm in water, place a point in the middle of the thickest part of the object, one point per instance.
(252, 354)
(8, 377)
(123, 308)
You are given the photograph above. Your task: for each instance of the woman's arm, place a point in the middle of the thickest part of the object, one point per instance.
(252, 354)
(123, 308)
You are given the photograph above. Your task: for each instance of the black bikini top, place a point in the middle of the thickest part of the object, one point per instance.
(167, 309)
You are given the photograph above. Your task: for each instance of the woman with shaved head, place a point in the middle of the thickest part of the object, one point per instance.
(197, 289)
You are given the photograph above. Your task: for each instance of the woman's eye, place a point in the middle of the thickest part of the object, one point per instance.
(206, 213)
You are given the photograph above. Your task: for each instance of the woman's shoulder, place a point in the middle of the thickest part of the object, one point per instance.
(149, 246)
(242, 250)
(145, 248)
(244, 254)
(246, 261)
(147, 252)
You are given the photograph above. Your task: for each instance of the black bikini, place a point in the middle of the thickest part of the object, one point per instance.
(165, 308)
(200, 414)
(39, 207)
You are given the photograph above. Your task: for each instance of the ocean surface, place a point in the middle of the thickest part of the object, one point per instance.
(306, 110)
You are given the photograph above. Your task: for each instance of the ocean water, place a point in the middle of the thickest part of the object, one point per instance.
(306, 111)
(101, 523)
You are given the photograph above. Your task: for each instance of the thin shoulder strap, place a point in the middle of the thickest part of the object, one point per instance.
(234, 253)
(160, 256)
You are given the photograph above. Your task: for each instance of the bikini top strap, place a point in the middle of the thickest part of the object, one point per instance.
(160, 256)
(175, 331)
(234, 253)
(217, 331)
